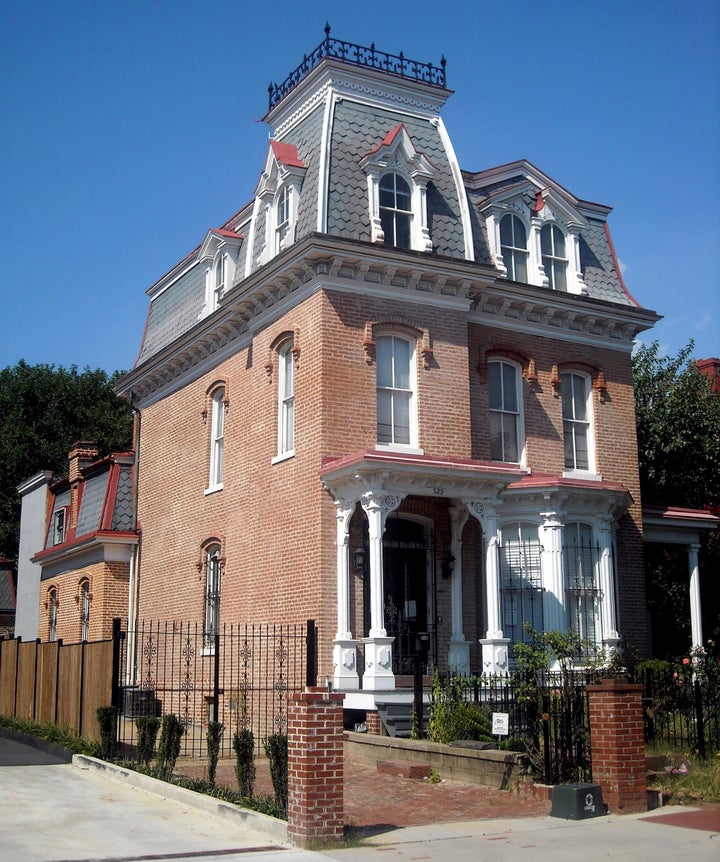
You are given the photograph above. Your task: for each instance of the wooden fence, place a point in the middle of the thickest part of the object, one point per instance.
(59, 683)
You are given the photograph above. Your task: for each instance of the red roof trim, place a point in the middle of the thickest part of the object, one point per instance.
(330, 465)
(388, 139)
(538, 480)
(287, 154)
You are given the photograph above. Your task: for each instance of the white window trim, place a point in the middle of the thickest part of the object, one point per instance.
(400, 157)
(213, 563)
(279, 180)
(59, 532)
(522, 447)
(413, 446)
(217, 439)
(285, 357)
(590, 471)
(217, 247)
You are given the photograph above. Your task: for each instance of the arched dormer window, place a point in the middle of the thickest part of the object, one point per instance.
(282, 217)
(395, 210)
(219, 254)
(219, 275)
(554, 256)
(397, 177)
(514, 247)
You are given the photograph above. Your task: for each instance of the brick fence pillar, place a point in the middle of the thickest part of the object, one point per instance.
(315, 766)
(618, 744)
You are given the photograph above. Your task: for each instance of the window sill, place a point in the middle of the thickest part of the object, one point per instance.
(207, 651)
(399, 447)
(588, 475)
(213, 490)
(283, 457)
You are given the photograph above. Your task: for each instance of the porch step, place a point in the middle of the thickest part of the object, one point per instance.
(402, 769)
(397, 718)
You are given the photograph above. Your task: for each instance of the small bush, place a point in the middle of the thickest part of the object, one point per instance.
(107, 721)
(214, 737)
(276, 748)
(147, 730)
(171, 733)
(56, 733)
(453, 716)
(244, 748)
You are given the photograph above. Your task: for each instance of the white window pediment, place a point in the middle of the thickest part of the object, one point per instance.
(553, 259)
(397, 158)
(278, 195)
(219, 254)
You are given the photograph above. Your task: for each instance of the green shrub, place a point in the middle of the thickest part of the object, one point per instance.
(453, 716)
(171, 733)
(276, 749)
(147, 731)
(244, 748)
(56, 733)
(214, 737)
(107, 720)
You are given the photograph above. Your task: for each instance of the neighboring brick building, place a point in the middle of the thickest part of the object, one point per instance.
(392, 396)
(89, 547)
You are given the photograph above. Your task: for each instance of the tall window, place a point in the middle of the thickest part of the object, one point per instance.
(552, 245)
(213, 572)
(84, 610)
(513, 245)
(282, 217)
(504, 411)
(52, 614)
(219, 276)
(520, 580)
(217, 437)
(574, 389)
(59, 526)
(286, 399)
(395, 210)
(395, 390)
(581, 563)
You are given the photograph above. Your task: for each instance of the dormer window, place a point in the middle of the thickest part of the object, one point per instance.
(59, 519)
(554, 260)
(219, 253)
(219, 274)
(395, 210)
(397, 177)
(282, 218)
(513, 245)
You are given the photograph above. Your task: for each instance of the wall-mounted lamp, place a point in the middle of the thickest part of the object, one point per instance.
(448, 565)
(358, 558)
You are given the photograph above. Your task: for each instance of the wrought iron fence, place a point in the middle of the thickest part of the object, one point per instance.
(681, 703)
(547, 719)
(243, 678)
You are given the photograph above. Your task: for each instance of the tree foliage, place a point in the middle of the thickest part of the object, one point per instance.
(43, 411)
(678, 428)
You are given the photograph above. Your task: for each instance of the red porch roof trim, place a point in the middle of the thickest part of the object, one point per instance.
(379, 458)
(542, 480)
(677, 516)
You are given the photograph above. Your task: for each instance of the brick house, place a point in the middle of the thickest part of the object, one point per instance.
(392, 395)
(79, 578)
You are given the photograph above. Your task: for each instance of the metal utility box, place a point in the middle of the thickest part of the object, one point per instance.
(577, 801)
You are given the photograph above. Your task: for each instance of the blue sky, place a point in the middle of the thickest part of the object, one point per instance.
(129, 128)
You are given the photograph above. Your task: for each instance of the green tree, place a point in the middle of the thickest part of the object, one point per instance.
(678, 429)
(43, 411)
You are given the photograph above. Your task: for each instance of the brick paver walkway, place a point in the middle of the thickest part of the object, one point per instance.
(375, 800)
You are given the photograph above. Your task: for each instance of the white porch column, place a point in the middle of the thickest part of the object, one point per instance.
(494, 645)
(459, 654)
(345, 675)
(553, 581)
(378, 674)
(695, 604)
(608, 617)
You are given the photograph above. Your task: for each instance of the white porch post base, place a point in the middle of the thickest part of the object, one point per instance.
(612, 644)
(345, 673)
(459, 657)
(495, 655)
(378, 674)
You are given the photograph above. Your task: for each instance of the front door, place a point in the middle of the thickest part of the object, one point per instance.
(409, 600)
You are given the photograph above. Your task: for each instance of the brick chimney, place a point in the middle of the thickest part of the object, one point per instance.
(81, 454)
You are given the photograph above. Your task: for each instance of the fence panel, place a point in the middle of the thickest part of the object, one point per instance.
(69, 690)
(96, 685)
(47, 678)
(8, 676)
(25, 685)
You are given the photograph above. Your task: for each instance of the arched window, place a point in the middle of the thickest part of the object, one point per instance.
(286, 399)
(282, 217)
(395, 210)
(213, 573)
(520, 580)
(513, 245)
(217, 438)
(581, 578)
(52, 613)
(84, 610)
(396, 407)
(575, 397)
(554, 260)
(505, 400)
(219, 277)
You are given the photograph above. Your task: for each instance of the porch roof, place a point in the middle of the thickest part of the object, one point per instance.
(676, 525)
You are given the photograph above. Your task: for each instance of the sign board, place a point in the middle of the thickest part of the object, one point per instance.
(500, 723)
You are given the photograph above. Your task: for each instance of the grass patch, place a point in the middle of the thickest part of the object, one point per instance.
(701, 782)
(54, 733)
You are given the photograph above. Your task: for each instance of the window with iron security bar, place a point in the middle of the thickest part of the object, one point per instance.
(245, 682)
(521, 591)
(582, 594)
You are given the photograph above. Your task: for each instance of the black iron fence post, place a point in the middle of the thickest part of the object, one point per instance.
(699, 719)
(215, 705)
(311, 667)
(547, 754)
(115, 681)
